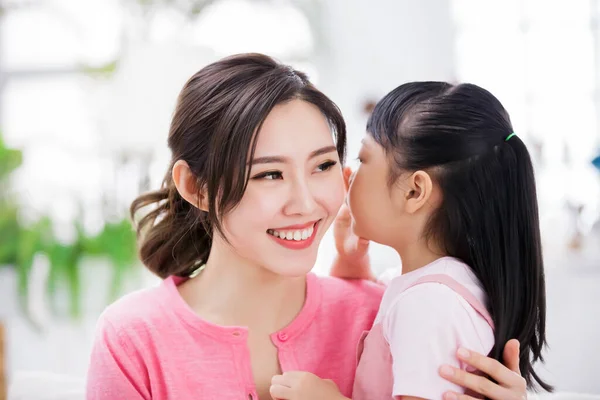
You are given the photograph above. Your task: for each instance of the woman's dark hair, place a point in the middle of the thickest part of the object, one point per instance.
(489, 213)
(214, 128)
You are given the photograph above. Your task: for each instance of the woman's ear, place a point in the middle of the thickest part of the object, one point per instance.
(187, 185)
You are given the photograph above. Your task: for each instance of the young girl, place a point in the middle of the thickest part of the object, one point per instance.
(445, 182)
(254, 182)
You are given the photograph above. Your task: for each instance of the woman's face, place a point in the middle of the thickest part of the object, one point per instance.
(294, 192)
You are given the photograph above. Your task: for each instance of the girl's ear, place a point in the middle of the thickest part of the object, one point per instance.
(418, 191)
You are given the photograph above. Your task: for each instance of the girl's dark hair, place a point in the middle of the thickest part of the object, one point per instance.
(214, 128)
(489, 213)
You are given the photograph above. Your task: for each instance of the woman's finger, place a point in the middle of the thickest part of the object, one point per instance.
(511, 355)
(501, 374)
(457, 396)
(476, 383)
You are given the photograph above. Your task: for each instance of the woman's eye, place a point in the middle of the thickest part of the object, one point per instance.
(326, 165)
(269, 175)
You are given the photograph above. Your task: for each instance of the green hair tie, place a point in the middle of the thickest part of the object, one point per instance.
(509, 136)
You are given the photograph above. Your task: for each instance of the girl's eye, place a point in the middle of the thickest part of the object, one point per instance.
(326, 165)
(269, 175)
(359, 159)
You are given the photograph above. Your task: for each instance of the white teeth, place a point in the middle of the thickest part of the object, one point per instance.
(293, 235)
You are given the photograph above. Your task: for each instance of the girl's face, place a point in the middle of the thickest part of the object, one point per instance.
(293, 195)
(394, 214)
(370, 198)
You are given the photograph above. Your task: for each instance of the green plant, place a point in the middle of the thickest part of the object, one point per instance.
(20, 243)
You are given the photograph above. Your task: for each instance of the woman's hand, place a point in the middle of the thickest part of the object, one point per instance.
(510, 386)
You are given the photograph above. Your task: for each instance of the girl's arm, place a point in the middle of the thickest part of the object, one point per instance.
(425, 326)
(511, 385)
(352, 258)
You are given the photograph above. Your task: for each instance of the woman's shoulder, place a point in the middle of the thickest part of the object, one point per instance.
(351, 294)
(136, 310)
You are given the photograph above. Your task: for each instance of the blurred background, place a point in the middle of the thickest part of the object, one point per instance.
(87, 88)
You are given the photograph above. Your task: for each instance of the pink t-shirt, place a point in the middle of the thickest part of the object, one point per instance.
(425, 315)
(151, 345)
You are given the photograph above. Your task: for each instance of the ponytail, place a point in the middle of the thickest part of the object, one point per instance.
(491, 213)
(174, 237)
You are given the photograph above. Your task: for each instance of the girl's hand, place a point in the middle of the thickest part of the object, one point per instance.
(510, 386)
(303, 386)
(352, 260)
